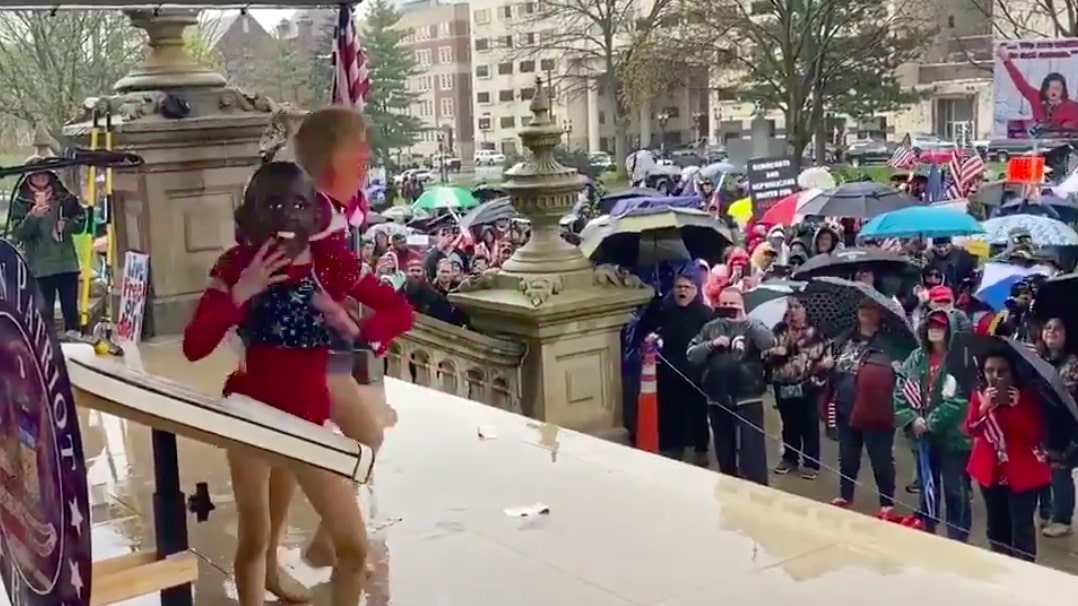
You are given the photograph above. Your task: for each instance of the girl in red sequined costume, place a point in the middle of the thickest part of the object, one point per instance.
(284, 301)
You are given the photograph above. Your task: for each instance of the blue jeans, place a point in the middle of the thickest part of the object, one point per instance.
(949, 474)
(1057, 499)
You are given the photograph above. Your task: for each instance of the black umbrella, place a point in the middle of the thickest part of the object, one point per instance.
(843, 263)
(968, 351)
(486, 192)
(1056, 299)
(831, 307)
(859, 200)
(653, 235)
(489, 212)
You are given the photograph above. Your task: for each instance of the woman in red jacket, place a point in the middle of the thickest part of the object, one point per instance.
(1007, 460)
(1051, 103)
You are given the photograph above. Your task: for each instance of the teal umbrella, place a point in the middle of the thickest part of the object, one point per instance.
(453, 198)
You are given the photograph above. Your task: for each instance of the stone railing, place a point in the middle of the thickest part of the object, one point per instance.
(459, 361)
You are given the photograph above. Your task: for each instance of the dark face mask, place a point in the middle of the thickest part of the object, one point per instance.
(727, 312)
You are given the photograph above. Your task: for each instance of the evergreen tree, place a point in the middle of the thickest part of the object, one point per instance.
(390, 65)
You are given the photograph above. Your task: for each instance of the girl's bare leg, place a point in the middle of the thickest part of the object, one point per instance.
(250, 485)
(335, 501)
(358, 411)
(282, 486)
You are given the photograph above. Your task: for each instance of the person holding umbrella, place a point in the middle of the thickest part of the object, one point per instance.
(929, 408)
(1007, 460)
(1057, 501)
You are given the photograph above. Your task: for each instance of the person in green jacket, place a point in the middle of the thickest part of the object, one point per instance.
(930, 408)
(44, 216)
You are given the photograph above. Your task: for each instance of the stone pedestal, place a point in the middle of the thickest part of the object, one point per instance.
(178, 205)
(549, 296)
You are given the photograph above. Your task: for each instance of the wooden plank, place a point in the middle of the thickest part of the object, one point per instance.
(141, 578)
(121, 563)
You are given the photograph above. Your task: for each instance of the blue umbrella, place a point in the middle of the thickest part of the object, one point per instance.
(997, 279)
(1045, 231)
(921, 221)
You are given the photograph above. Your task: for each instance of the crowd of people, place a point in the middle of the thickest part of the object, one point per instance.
(883, 382)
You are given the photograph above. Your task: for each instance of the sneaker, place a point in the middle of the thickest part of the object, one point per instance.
(785, 467)
(840, 502)
(810, 474)
(1056, 530)
(888, 514)
(913, 488)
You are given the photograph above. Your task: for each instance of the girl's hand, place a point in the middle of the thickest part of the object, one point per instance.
(336, 315)
(39, 209)
(988, 400)
(260, 273)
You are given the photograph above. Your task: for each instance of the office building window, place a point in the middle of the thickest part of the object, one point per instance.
(422, 57)
(445, 30)
(424, 84)
(484, 123)
(446, 108)
(525, 120)
(526, 67)
(505, 69)
(482, 98)
(506, 12)
(482, 44)
(445, 81)
(482, 71)
(527, 39)
(505, 41)
(526, 94)
(445, 54)
(547, 65)
(507, 122)
(481, 16)
(505, 95)
(527, 8)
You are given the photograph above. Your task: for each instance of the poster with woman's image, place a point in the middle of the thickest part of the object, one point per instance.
(1034, 89)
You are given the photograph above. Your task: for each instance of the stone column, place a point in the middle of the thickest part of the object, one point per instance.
(593, 117)
(200, 140)
(549, 296)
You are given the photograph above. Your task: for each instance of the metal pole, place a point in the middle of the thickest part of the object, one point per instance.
(169, 511)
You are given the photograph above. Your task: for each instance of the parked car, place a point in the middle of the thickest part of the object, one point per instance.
(863, 153)
(601, 161)
(1000, 150)
(930, 142)
(452, 163)
(489, 157)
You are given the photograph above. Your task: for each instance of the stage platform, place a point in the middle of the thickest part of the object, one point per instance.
(622, 527)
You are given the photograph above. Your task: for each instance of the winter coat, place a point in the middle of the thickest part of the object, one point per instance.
(942, 404)
(46, 254)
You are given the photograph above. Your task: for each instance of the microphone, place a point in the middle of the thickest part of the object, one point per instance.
(104, 158)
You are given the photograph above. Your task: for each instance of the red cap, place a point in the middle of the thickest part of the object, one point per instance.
(940, 294)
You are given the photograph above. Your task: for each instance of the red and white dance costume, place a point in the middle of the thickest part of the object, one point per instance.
(287, 353)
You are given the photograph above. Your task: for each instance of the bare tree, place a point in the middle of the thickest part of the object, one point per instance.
(805, 57)
(1031, 18)
(50, 63)
(594, 42)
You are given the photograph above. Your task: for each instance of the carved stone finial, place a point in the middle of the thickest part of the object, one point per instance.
(42, 142)
(167, 64)
(540, 105)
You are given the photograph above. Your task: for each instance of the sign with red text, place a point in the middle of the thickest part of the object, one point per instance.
(44, 510)
(1033, 87)
(133, 288)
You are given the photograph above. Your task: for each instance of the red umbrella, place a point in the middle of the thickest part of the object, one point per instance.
(784, 212)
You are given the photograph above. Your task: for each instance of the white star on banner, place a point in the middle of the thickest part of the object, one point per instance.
(76, 517)
(76, 578)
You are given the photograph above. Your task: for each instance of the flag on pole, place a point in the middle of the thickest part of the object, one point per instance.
(351, 77)
(966, 168)
(904, 157)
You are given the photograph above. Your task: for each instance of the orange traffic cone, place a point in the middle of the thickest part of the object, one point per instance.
(647, 404)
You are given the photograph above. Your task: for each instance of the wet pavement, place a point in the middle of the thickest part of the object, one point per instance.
(623, 528)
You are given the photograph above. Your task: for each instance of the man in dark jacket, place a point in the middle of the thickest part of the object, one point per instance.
(730, 350)
(955, 264)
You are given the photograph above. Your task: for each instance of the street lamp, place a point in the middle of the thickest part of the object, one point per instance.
(443, 174)
(663, 118)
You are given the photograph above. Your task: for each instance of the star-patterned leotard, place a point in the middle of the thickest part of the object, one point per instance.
(285, 361)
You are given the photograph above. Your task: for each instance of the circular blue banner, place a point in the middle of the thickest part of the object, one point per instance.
(45, 557)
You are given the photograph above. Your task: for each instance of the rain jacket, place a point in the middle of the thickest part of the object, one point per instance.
(942, 404)
(47, 255)
(836, 238)
(735, 372)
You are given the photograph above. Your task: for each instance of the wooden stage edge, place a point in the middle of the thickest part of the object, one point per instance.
(140, 573)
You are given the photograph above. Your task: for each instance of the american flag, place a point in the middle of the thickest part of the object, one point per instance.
(351, 78)
(904, 157)
(912, 390)
(965, 169)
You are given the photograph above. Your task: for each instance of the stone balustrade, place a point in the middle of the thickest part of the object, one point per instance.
(461, 362)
